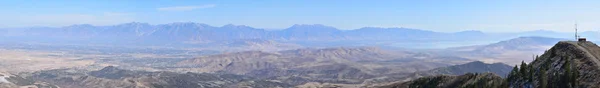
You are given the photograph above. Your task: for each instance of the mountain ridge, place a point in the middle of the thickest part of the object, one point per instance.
(579, 58)
(500, 69)
(568, 64)
(469, 80)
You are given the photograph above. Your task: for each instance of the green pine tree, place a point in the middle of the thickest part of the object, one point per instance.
(575, 77)
(512, 76)
(530, 75)
(543, 79)
(568, 73)
(523, 71)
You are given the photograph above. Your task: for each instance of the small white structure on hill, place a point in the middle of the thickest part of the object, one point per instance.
(579, 38)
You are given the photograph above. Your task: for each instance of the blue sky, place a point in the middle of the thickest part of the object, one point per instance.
(436, 15)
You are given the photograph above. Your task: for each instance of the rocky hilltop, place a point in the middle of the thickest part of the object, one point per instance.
(568, 64)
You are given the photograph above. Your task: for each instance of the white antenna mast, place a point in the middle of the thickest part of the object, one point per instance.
(576, 36)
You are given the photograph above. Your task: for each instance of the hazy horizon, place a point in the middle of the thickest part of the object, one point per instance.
(270, 29)
(441, 16)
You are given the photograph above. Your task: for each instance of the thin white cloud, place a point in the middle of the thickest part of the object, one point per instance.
(185, 8)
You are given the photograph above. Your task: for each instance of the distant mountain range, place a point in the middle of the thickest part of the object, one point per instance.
(187, 31)
(197, 33)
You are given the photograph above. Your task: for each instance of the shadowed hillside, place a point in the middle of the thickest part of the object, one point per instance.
(472, 67)
(469, 80)
(455, 70)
